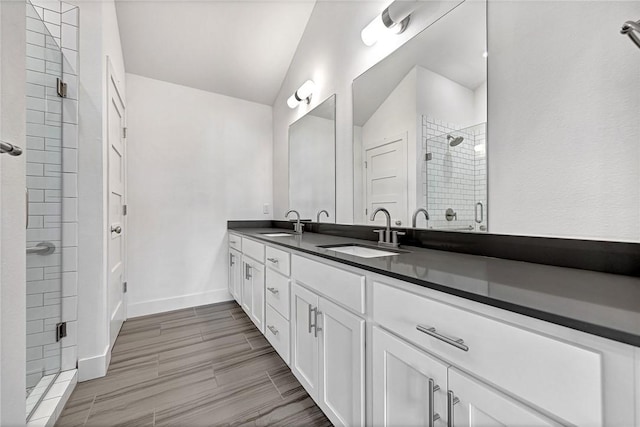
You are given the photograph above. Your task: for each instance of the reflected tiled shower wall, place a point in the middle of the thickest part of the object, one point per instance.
(52, 143)
(454, 177)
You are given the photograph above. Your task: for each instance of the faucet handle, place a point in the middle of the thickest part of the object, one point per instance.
(394, 236)
(380, 235)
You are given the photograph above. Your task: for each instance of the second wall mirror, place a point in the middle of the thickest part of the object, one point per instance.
(312, 166)
(420, 119)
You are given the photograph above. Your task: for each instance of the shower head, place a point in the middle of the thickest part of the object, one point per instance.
(454, 141)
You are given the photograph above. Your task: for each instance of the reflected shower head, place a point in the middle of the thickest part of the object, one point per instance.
(454, 141)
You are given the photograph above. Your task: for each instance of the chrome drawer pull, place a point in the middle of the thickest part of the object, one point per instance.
(273, 290)
(233, 242)
(433, 417)
(431, 331)
(273, 260)
(273, 329)
(451, 401)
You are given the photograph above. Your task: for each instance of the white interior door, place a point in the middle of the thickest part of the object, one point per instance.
(116, 202)
(386, 179)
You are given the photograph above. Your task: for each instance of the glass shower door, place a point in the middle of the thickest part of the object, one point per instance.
(44, 191)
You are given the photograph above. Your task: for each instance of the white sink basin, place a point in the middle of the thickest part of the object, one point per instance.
(277, 234)
(360, 251)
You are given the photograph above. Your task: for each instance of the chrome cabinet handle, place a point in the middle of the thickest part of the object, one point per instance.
(451, 401)
(231, 261)
(481, 212)
(117, 229)
(26, 190)
(309, 319)
(273, 260)
(431, 331)
(433, 387)
(273, 329)
(273, 290)
(316, 328)
(233, 241)
(247, 271)
(313, 325)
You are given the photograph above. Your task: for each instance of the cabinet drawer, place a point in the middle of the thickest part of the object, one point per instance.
(277, 332)
(278, 292)
(235, 242)
(253, 249)
(561, 378)
(345, 287)
(278, 260)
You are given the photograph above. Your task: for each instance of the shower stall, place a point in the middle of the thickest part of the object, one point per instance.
(454, 175)
(51, 168)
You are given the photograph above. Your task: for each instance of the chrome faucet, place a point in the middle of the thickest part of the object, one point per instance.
(297, 227)
(415, 216)
(386, 237)
(322, 211)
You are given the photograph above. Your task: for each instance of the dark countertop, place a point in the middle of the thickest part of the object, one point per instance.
(602, 304)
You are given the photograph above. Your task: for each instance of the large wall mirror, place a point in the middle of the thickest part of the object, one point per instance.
(420, 120)
(312, 170)
(552, 149)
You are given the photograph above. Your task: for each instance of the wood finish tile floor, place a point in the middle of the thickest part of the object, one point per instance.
(202, 366)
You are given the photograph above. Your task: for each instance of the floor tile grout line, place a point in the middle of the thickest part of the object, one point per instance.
(274, 385)
(86, 419)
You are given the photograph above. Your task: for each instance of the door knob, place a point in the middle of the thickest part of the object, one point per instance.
(117, 229)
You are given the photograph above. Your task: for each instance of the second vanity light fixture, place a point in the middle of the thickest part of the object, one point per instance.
(303, 93)
(394, 18)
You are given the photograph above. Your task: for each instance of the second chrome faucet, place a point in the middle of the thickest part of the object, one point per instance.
(386, 237)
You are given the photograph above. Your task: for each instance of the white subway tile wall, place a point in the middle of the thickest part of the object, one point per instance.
(52, 166)
(454, 177)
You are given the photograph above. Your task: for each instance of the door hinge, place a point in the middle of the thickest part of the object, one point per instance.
(124, 210)
(366, 211)
(124, 287)
(124, 132)
(366, 165)
(61, 331)
(61, 88)
(428, 157)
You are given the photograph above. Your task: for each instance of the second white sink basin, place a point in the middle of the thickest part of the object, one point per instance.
(277, 234)
(360, 251)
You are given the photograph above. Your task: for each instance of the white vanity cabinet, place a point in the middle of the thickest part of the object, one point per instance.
(253, 281)
(328, 350)
(435, 359)
(409, 386)
(474, 404)
(235, 275)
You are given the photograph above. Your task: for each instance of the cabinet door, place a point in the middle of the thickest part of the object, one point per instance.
(235, 275)
(304, 344)
(247, 287)
(256, 277)
(409, 386)
(341, 336)
(479, 405)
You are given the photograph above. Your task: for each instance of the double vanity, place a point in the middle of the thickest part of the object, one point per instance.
(413, 336)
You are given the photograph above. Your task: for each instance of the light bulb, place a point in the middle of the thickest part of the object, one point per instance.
(292, 102)
(373, 31)
(306, 90)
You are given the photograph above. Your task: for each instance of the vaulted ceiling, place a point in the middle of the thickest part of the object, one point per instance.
(236, 48)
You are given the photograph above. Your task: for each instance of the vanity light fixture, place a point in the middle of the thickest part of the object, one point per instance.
(303, 93)
(394, 18)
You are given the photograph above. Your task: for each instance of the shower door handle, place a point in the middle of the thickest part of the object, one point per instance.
(481, 212)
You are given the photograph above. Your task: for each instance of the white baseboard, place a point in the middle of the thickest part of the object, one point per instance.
(95, 366)
(176, 303)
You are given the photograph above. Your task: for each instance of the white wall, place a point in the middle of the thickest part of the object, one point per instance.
(12, 215)
(99, 39)
(195, 160)
(564, 122)
(332, 59)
